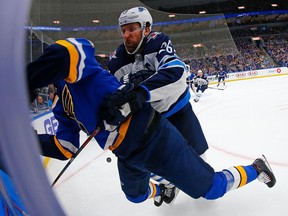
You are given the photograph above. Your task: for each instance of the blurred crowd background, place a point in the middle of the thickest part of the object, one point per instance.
(212, 43)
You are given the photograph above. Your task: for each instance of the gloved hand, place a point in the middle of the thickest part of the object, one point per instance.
(201, 81)
(137, 78)
(118, 107)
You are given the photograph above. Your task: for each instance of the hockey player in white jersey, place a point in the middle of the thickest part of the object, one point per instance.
(147, 58)
(190, 78)
(201, 84)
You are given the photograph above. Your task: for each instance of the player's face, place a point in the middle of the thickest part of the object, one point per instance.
(132, 35)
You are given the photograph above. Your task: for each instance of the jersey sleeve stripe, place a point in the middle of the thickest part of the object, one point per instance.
(74, 59)
(80, 48)
(122, 132)
(66, 153)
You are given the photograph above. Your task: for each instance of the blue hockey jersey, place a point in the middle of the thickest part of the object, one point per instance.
(221, 74)
(167, 88)
(79, 97)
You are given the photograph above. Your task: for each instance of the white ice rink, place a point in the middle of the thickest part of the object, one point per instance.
(247, 119)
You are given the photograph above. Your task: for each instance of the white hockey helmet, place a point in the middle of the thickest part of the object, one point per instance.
(200, 71)
(136, 14)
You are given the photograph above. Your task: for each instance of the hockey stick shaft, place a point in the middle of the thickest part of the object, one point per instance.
(216, 88)
(94, 133)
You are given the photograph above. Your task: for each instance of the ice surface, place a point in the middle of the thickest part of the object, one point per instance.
(247, 119)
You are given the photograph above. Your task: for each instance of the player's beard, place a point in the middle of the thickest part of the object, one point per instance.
(130, 46)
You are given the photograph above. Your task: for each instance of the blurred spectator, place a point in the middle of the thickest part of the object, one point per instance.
(40, 103)
(269, 51)
(33, 107)
(50, 99)
(52, 88)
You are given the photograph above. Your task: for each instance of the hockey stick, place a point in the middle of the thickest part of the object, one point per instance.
(216, 88)
(94, 133)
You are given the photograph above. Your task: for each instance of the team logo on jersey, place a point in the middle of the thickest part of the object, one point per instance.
(68, 106)
(153, 35)
(67, 101)
(113, 55)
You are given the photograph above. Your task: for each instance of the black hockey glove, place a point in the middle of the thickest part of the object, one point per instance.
(118, 107)
(137, 78)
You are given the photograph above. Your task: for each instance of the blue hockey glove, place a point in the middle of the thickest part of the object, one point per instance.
(118, 107)
(137, 78)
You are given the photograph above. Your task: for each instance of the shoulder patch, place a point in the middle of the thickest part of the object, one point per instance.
(153, 35)
(113, 55)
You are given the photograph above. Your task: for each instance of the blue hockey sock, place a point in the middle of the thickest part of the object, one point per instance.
(239, 176)
(230, 179)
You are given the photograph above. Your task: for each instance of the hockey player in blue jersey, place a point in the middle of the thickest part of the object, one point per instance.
(221, 75)
(190, 81)
(201, 84)
(147, 58)
(143, 141)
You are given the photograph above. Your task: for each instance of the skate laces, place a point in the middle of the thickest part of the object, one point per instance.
(168, 194)
(263, 177)
(168, 191)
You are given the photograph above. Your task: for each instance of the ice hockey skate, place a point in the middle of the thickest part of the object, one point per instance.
(168, 195)
(265, 172)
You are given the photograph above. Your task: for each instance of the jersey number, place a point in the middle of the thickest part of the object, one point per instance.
(166, 47)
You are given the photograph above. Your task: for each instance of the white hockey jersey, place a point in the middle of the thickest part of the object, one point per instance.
(167, 88)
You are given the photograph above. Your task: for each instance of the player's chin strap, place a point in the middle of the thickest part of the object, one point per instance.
(137, 48)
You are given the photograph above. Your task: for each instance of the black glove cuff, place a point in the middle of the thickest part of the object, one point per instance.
(142, 94)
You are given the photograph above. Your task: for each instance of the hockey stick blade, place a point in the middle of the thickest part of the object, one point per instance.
(94, 133)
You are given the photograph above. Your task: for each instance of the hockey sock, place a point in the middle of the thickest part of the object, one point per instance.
(239, 176)
(152, 191)
(159, 179)
(230, 179)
